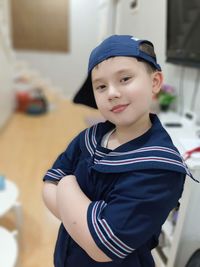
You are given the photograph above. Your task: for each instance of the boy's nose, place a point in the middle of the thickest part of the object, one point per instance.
(113, 92)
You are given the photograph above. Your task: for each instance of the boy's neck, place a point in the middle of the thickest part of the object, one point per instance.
(123, 135)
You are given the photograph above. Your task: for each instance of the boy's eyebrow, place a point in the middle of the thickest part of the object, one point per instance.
(96, 80)
(124, 70)
(121, 71)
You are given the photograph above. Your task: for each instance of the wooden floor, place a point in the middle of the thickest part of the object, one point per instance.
(28, 146)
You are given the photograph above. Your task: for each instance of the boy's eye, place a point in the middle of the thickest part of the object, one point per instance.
(125, 79)
(100, 87)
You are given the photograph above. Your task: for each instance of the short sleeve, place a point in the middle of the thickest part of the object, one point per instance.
(134, 211)
(65, 163)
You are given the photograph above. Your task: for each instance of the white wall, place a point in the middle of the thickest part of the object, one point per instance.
(7, 102)
(7, 96)
(149, 21)
(68, 70)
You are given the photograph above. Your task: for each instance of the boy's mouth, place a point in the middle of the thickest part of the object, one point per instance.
(119, 108)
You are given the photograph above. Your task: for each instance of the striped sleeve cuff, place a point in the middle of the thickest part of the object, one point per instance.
(54, 175)
(103, 235)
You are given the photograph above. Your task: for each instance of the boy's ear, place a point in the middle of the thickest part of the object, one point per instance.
(157, 82)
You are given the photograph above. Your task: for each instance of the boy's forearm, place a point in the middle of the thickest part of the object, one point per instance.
(49, 197)
(73, 205)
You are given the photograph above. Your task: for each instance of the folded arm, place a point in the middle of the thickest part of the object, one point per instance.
(63, 166)
(69, 204)
(72, 206)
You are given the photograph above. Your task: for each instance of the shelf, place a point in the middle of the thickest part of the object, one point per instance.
(157, 258)
(166, 251)
(168, 229)
(162, 252)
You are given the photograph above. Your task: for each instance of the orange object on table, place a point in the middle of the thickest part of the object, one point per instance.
(23, 100)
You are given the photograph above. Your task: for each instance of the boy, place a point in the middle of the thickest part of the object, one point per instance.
(117, 181)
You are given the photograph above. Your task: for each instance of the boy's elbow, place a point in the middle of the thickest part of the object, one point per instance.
(45, 191)
(48, 192)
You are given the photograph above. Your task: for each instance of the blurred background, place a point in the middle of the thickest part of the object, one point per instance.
(44, 50)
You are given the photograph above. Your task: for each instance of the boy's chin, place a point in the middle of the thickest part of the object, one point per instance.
(121, 123)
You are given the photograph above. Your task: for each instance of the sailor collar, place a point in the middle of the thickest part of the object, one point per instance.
(152, 150)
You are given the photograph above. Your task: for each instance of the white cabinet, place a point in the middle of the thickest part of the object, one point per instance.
(179, 241)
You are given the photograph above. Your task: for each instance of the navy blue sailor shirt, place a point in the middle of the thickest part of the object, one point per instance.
(132, 188)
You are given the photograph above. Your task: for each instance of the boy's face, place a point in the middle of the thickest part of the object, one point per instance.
(123, 89)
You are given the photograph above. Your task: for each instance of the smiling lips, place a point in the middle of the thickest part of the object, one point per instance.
(119, 108)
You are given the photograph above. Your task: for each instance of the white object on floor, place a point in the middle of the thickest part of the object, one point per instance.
(8, 202)
(8, 248)
(8, 196)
